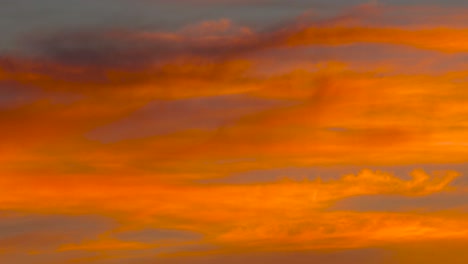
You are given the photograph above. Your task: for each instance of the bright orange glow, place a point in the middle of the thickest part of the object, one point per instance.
(218, 140)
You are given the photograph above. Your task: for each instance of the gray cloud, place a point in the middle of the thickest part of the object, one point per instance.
(25, 232)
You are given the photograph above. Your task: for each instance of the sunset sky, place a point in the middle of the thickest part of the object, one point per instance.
(233, 131)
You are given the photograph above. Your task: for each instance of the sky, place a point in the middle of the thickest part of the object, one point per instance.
(233, 131)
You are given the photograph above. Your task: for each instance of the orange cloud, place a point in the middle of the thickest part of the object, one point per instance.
(441, 39)
(129, 124)
(276, 212)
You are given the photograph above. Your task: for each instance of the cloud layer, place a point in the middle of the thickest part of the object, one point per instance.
(195, 142)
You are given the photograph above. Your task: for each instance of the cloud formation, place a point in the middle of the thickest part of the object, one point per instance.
(166, 131)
